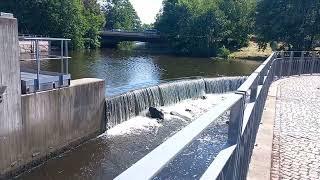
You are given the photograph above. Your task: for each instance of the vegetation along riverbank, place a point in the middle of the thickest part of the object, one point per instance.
(189, 27)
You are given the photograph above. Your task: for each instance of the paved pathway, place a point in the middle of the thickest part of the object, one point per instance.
(296, 142)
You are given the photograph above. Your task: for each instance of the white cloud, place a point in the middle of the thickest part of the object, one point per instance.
(147, 9)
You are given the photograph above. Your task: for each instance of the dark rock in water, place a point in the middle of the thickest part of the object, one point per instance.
(203, 97)
(155, 113)
(227, 122)
(180, 116)
(188, 110)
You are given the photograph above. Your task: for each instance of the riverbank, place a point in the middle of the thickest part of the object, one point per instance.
(252, 52)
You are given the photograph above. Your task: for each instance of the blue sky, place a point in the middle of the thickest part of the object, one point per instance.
(147, 9)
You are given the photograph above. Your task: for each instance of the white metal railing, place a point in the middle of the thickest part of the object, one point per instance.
(38, 57)
(245, 106)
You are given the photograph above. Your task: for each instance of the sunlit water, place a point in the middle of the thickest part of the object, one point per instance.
(117, 149)
(111, 153)
(128, 70)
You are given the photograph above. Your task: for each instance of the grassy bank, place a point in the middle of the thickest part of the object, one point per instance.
(252, 52)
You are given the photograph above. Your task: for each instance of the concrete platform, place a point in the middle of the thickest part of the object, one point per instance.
(48, 80)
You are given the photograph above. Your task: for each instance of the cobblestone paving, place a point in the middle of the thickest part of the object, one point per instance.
(296, 143)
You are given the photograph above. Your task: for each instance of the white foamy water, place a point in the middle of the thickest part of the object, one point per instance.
(187, 111)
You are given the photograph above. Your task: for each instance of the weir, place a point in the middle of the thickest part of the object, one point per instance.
(245, 107)
(33, 130)
(126, 106)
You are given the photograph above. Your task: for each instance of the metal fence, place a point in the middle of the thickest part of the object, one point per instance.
(38, 56)
(246, 107)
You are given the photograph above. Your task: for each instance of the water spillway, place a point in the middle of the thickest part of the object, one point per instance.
(133, 135)
(126, 106)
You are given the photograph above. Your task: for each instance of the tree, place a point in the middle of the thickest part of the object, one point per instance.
(120, 14)
(201, 27)
(147, 26)
(293, 23)
(95, 21)
(240, 14)
(56, 18)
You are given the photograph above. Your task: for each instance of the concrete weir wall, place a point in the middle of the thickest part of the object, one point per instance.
(53, 120)
(36, 126)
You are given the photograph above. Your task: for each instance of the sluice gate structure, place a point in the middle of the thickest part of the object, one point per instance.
(41, 113)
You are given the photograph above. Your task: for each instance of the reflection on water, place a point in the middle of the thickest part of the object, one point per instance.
(124, 71)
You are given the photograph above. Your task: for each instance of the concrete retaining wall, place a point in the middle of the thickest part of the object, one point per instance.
(36, 126)
(54, 120)
(10, 109)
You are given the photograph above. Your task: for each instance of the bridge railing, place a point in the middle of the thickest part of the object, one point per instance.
(245, 107)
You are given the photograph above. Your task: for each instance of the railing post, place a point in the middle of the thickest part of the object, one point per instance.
(275, 64)
(253, 93)
(38, 65)
(312, 62)
(61, 56)
(236, 118)
(290, 63)
(262, 74)
(301, 62)
(67, 54)
(281, 64)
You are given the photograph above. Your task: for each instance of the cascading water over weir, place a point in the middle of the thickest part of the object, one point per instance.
(123, 107)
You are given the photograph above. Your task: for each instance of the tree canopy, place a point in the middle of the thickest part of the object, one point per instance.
(79, 20)
(201, 27)
(191, 27)
(294, 23)
(120, 14)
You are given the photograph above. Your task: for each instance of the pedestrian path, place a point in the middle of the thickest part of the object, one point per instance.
(296, 140)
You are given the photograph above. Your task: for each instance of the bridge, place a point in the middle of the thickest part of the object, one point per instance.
(290, 151)
(118, 36)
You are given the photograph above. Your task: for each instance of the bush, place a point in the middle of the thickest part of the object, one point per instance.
(223, 52)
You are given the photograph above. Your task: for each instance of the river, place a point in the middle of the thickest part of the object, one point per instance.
(118, 148)
(127, 70)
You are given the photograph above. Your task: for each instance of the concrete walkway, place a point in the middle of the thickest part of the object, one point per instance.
(295, 136)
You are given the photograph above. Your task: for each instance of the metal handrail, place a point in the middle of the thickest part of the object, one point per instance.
(38, 57)
(245, 116)
(45, 39)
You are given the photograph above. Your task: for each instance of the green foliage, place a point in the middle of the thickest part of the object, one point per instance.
(95, 21)
(200, 27)
(147, 26)
(75, 19)
(240, 14)
(120, 14)
(293, 23)
(224, 53)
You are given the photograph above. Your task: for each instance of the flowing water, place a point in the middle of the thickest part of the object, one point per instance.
(128, 70)
(133, 134)
(134, 82)
(128, 105)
